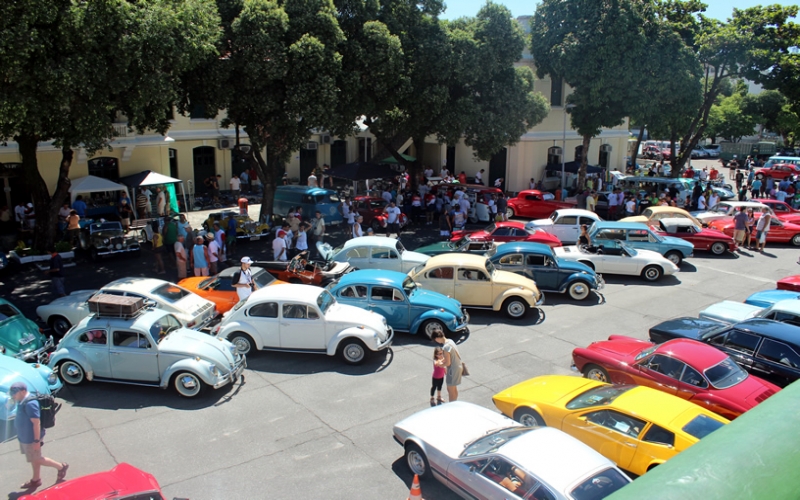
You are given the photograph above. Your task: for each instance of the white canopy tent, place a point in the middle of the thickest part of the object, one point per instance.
(92, 184)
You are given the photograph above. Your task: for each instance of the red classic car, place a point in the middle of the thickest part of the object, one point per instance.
(779, 231)
(779, 171)
(782, 210)
(509, 231)
(685, 368)
(122, 482)
(371, 209)
(791, 283)
(534, 204)
(706, 239)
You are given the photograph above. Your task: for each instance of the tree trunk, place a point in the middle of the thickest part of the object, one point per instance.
(266, 174)
(46, 206)
(676, 161)
(635, 153)
(587, 139)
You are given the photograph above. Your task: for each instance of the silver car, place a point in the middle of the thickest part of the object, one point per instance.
(479, 453)
(151, 348)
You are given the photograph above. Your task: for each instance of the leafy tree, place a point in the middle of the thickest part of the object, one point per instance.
(67, 68)
(731, 119)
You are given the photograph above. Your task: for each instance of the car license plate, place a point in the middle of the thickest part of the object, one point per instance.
(255, 238)
(27, 339)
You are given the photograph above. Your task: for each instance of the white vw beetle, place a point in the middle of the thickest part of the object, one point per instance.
(565, 224)
(373, 252)
(191, 309)
(304, 318)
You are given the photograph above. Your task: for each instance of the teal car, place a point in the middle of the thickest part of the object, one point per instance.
(551, 274)
(38, 377)
(641, 236)
(406, 306)
(21, 337)
(464, 244)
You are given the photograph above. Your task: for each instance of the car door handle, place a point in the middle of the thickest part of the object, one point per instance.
(285, 324)
(632, 445)
(671, 387)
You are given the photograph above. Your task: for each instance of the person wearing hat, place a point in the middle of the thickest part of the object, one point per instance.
(245, 285)
(279, 247)
(30, 434)
(200, 257)
(214, 254)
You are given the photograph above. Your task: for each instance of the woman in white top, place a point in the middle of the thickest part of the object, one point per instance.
(358, 231)
(453, 363)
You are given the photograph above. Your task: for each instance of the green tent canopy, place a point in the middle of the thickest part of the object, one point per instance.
(392, 159)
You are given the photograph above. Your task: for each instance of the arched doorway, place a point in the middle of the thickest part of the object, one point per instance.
(204, 161)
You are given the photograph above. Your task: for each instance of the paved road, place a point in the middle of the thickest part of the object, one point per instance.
(304, 426)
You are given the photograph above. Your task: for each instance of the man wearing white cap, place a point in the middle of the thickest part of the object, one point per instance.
(244, 284)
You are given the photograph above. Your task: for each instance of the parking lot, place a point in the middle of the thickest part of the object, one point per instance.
(309, 426)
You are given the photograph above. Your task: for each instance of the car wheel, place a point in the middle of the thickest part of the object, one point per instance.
(529, 417)
(417, 461)
(376, 226)
(71, 372)
(142, 235)
(594, 372)
(352, 351)
(432, 325)
(652, 273)
(515, 308)
(93, 255)
(510, 212)
(579, 290)
(719, 248)
(587, 263)
(796, 240)
(242, 341)
(60, 325)
(188, 385)
(674, 257)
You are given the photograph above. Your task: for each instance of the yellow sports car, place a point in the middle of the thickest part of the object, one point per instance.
(474, 281)
(636, 427)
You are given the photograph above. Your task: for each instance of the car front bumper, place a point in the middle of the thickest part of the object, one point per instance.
(386, 343)
(233, 375)
(601, 283)
(114, 252)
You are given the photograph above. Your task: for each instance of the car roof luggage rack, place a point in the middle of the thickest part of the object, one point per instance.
(105, 305)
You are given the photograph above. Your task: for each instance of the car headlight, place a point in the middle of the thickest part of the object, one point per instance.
(232, 348)
(52, 378)
(214, 370)
(105, 241)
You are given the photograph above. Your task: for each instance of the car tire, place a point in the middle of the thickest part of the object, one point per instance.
(243, 342)
(588, 264)
(59, 324)
(579, 290)
(416, 461)
(595, 372)
(674, 257)
(376, 226)
(71, 372)
(652, 273)
(352, 351)
(188, 384)
(431, 324)
(510, 212)
(796, 240)
(94, 256)
(529, 417)
(719, 248)
(515, 307)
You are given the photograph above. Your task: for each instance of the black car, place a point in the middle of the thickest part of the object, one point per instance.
(766, 348)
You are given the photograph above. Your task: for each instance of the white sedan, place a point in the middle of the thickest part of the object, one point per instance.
(307, 319)
(191, 309)
(482, 454)
(727, 209)
(565, 223)
(373, 252)
(614, 257)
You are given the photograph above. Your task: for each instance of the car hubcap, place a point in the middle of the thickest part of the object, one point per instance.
(718, 248)
(61, 326)
(71, 373)
(354, 352)
(596, 374)
(431, 327)
(796, 240)
(188, 385)
(416, 463)
(516, 309)
(579, 291)
(242, 345)
(652, 274)
(528, 420)
(674, 258)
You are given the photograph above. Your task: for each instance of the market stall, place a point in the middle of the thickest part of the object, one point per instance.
(150, 178)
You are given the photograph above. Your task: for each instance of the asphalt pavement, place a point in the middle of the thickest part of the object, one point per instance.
(308, 426)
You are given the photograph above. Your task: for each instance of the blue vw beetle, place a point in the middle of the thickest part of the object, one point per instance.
(39, 378)
(551, 274)
(406, 306)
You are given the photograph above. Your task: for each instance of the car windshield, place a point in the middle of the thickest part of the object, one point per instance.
(490, 267)
(170, 293)
(712, 331)
(461, 243)
(161, 328)
(263, 278)
(630, 251)
(554, 216)
(207, 283)
(325, 301)
(409, 286)
(645, 353)
(7, 311)
(721, 209)
(416, 270)
(598, 396)
(725, 374)
(600, 485)
(493, 440)
(400, 248)
(701, 426)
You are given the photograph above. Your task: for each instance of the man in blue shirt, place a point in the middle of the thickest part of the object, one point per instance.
(79, 206)
(30, 434)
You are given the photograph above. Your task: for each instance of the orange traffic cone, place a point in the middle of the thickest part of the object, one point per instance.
(416, 492)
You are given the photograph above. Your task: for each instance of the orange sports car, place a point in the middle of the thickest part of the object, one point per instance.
(219, 289)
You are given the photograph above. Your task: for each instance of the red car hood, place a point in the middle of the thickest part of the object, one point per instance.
(790, 283)
(710, 232)
(122, 480)
(545, 238)
(619, 347)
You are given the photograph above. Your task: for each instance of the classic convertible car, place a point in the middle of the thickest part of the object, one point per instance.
(641, 237)
(104, 238)
(565, 224)
(406, 306)
(373, 252)
(20, 337)
(686, 368)
(636, 427)
(651, 215)
(300, 270)
(551, 274)
(481, 454)
(614, 257)
(707, 239)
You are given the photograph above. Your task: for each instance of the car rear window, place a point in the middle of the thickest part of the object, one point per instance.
(6, 311)
(170, 293)
(701, 426)
(598, 396)
(600, 485)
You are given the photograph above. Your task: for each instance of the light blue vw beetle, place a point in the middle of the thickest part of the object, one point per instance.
(39, 378)
(405, 306)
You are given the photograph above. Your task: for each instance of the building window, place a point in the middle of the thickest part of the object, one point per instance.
(364, 149)
(198, 112)
(556, 91)
(107, 168)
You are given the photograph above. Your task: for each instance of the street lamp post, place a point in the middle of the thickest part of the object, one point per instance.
(564, 152)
